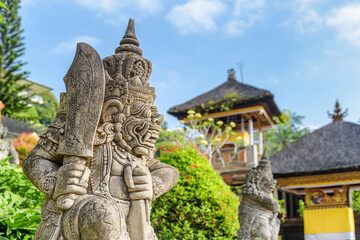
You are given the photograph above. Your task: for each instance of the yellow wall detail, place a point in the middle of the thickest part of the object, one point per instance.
(332, 220)
(320, 180)
(243, 136)
(318, 198)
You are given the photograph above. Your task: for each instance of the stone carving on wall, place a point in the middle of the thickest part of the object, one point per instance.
(258, 210)
(94, 162)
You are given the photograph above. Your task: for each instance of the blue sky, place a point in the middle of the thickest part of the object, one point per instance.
(307, 53)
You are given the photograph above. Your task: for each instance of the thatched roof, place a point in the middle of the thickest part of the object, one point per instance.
(334, 147)
(244, 94)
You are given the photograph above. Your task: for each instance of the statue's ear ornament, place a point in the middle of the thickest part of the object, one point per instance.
(111, 108)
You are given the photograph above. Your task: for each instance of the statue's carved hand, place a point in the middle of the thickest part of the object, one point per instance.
(276, 208)
(251, 190)
(142, 184)
(71, 179)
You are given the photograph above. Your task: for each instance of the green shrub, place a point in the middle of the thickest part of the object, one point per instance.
(356, 200)
(301, 208)
(24, 143)
(40, 113)
(200, 206)
(20, 204)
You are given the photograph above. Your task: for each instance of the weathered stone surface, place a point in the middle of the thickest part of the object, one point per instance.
(6, 147)
(94, 162)
(258, 210)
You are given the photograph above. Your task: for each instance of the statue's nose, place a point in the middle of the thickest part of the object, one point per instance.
(159, 119)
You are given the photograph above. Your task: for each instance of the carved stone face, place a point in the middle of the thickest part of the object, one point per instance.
(141, 129)
(3, 131)
(267, 184)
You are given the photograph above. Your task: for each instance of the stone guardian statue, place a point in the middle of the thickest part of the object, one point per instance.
(258, 210)
(94, 163)
(7, 148)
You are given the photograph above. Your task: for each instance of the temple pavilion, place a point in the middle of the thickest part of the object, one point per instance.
(251, 108)
(322, 168)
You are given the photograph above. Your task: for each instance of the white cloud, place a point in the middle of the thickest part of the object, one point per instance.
(308, 21)
(116, 8)
(106, 6)
(150, 6)
(313, 127)
(243, 7)
(246, 13)
(236, 27)
(27, 2)
(305, 16)
(69, 47)
(196, 15)
(346, 21)
(273, 79)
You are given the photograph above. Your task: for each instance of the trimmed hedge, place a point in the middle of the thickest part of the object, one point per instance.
(200, 206)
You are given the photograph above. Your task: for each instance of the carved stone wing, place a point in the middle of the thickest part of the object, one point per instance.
(85, 87)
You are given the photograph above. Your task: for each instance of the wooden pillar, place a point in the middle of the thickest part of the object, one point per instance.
(291, 206)
(283, 196)
(260, 142)
(242, 124)
(251, 131)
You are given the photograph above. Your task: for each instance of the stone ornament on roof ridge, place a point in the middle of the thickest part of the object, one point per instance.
(94, 163)
(338, 116)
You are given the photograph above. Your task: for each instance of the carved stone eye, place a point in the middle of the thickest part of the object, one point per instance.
(147, 113)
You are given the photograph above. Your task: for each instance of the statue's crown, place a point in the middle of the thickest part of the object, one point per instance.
(264, 163)
(127, 72)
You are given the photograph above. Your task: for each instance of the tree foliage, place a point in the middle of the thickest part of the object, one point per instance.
(200, 206)
(20, 204)
(43, 113)
(11, 49)
(208, 134)
(2, 5)
(288, 130)
(47, 110)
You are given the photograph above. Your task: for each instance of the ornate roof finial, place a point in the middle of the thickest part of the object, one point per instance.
(231, 74)
(129, 42)
(338, 116)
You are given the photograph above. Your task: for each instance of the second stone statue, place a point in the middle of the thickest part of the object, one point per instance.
(94, 162)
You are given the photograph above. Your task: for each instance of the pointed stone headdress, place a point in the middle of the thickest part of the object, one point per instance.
(127, 72)
(264, 163)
